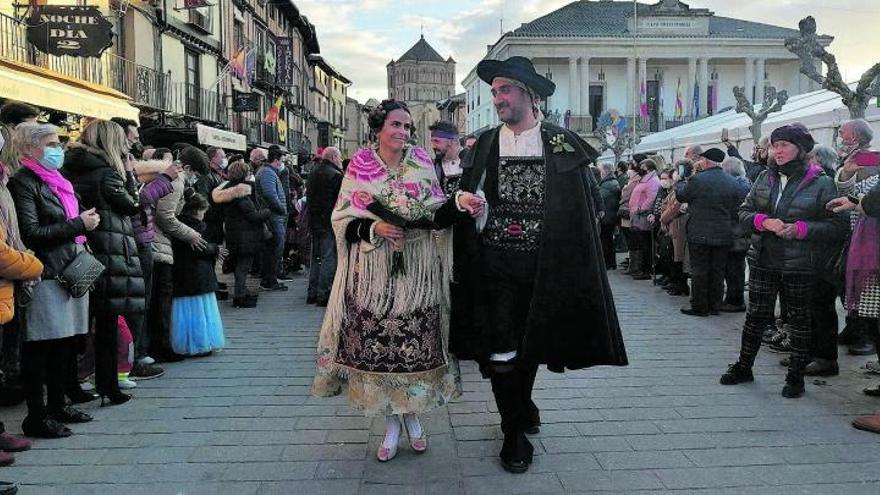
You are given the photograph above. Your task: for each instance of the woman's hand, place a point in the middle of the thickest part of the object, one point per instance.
(471, 203)
(788, 232)
(774, 225)
(198, 243)
(840, 204)
(391, 233)
(90, 219)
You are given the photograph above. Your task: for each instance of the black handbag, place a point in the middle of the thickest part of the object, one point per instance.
(80, 274)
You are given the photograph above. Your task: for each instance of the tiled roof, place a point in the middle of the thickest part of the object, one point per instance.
(422, 52)
(590, 19)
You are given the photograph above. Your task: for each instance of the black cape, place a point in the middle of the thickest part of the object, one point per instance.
(572, 321)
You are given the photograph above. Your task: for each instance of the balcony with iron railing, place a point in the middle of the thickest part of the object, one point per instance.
(147, 88)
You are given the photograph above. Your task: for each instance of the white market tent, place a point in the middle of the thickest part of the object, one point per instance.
(821, 111)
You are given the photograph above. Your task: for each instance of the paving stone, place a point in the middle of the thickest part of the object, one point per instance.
(616, 481)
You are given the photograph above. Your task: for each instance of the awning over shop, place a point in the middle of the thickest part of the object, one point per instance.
(210, 136)
(49, 89)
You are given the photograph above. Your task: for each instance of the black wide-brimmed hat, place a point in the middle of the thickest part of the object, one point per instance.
(518, 68)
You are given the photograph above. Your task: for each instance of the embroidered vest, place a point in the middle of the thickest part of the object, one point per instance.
(515, 192)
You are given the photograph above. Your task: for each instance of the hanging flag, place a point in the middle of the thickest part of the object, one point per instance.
(679, 102)
(713, 100)
(238, 63)
(696, 101)
(250, 66)
(282, 131)
(274, 112)
(643, 101)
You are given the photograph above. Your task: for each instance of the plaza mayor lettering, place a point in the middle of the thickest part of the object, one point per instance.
(69, 30)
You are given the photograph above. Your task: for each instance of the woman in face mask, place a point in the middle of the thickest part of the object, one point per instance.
(624, 213)
(100, 168)
(51, 224)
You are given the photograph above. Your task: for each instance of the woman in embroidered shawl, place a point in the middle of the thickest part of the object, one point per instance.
(385, 331)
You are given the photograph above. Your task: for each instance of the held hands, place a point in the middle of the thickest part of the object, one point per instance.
(774, 225)
(471, 203)
(788, 232)
(391, 233)
(90, 219)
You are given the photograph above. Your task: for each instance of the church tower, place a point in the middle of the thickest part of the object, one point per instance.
(421, 75)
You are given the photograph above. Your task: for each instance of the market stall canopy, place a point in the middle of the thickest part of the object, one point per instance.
(211, 136)
(49, 89)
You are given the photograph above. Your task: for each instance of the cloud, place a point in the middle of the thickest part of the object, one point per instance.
(359, 37)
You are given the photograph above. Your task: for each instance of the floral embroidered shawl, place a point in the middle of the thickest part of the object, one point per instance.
(412, 193)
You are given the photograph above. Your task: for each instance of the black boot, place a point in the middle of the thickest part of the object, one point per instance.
(516, 452)
(532, 424)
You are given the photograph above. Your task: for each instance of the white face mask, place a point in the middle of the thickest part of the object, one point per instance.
(224, 164)
(630, 173)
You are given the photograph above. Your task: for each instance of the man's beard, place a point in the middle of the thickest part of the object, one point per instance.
(515, 115)
(439, 155)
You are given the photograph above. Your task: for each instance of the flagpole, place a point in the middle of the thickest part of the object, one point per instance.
(639, 77)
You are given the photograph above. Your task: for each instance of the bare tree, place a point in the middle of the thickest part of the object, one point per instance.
(773, 102)
(809, 49)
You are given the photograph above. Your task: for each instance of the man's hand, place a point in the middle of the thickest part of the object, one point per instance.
(471, 203)
(840, 204)
(774, 225)
(172, 170)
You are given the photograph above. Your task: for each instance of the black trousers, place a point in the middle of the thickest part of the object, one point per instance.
(735, 278)
(106, 352)
(645, 246)
(243, 264)
(825, 323)
(510, 279)
(160, 308)
(607, 238)
(707, 276)
(139, 323)
(797, 291)
(44, 363)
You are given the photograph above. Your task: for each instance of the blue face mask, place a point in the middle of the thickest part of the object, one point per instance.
(53, 158)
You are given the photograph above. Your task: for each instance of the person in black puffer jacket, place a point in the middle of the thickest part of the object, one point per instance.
(322, 188)
(244, 221)
(609, 191)
(793, 238)
(99, 167)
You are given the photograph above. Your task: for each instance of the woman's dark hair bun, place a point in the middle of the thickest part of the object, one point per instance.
(377, 116)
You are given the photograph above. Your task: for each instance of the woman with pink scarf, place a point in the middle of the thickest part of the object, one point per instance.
(53, 227)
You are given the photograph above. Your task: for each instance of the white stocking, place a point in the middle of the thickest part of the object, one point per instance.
(413, 427)
(392, 431)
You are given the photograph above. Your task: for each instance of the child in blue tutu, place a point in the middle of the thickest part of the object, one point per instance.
(196, 328)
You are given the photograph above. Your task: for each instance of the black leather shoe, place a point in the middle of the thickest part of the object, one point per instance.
(80, 396)
(44, 428)
(114, 398)
(517, 466)
(8, 488)
(244, 302)
(169, 357)
(694, 312)
(70, 415)
(732, 308)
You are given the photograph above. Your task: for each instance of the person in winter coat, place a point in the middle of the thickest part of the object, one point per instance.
(244, 221)
(609, 190)
(16, 265)
(168, 227)
(640, 206)
(663, 243)
(323, 186)
(713, 199)
(50, 224)
(624, 214)
(735, 268)
(154, 178)
(196, 327)
(206, 183)
(673, 221)
(793, 236)
(271, 192)
(100, 169)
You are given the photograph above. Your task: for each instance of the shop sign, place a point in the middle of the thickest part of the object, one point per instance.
(72, 30)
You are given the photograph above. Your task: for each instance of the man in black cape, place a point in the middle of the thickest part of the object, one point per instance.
(533, 264)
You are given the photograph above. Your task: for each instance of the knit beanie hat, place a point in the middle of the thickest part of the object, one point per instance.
(796, 135)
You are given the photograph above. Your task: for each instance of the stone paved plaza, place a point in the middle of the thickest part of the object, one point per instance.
(242, 422)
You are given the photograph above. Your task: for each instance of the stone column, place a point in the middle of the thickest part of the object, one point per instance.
(573, 85)
(631, 86)
(643, 82)
(760, 80)
(689, 94)
(750, 79)
(704, 86)
(585, 86)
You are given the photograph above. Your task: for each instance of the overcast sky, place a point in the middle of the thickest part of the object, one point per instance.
(360, 37)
